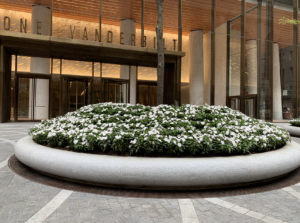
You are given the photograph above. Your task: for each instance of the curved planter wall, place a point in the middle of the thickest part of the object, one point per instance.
(293, 130)
(158, 172)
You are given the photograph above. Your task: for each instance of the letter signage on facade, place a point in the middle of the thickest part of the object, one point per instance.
(23, 26)
(109, 36)
(6, 23)
(23, 29)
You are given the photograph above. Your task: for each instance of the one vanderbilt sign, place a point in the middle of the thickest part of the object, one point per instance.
(23, 28)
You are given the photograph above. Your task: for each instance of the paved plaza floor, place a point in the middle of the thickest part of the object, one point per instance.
(22, 200)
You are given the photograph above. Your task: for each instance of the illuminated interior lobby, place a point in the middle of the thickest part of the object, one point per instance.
(59, 55)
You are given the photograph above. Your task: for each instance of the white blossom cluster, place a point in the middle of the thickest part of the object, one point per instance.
(163, 130)
(295, 122)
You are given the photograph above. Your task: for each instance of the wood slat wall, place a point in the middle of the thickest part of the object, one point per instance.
(196, 14)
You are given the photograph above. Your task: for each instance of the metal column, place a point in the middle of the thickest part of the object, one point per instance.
(269, 61)
(142, 23)
(259, 74)
(296, 58)
(100, 19)
(213, 39)
(243, 56)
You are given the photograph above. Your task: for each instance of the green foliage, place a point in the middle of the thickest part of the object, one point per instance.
(295, 122)
(284, 21)
(165, 130)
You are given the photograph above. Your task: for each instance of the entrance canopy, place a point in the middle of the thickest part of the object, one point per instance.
(74, 49)
(40, 46)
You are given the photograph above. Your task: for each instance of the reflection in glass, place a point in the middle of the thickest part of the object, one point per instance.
(147, 94)
(77, 94)
(115, 91)
(33, 100)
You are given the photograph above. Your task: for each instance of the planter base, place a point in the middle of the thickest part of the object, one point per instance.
(159, 173)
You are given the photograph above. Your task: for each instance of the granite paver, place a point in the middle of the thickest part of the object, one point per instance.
(20, 199)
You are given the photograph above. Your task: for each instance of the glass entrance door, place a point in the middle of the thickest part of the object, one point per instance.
(115, 91)
(33, 99)
(147, 93)
(77, 94)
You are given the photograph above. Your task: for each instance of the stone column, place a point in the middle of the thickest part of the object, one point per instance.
(277, 97)
(127, 27)
(133, 90)
(196, 68)
(252, 66)
(40, 25)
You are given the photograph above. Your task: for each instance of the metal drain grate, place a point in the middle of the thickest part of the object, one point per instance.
(32, 175)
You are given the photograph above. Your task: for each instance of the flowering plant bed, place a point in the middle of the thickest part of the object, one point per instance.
(295, 122)
(139, 130)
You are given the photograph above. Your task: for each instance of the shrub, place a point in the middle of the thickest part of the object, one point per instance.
(295, 122)
(164, 130)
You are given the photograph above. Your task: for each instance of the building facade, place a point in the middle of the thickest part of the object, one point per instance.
(59, 55)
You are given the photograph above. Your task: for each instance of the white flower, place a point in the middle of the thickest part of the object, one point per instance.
(133, 141)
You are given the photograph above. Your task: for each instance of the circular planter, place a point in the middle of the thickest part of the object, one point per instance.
(158, 173)
(293, 130)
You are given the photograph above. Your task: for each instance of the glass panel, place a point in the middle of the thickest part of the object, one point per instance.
(143, 94)
(251, 60)
(284, 87)
(147, 94)
(250, 106)
(76, 68)
(77, 94)
(81, 94)
(153, 95)
(33, 65)
(23, 64)
(12, 88)
(147, 73)
(234, 74)
(110, 70)
(55, 85)
(33, 99)
(115, 91)
(24, 103)
(64, 96)
(41, 99)
(73, 95)
(97, 83)
(227, 50)
(284, 82)
(185, 93)
(251, 53)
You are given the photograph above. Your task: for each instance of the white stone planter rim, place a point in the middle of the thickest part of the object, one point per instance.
(158, 172)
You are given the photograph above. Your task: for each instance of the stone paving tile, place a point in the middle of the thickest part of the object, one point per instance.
(6, 150)
(211, 213)
(20, 198)
(296, 188)
(278, 204)
(81, 207)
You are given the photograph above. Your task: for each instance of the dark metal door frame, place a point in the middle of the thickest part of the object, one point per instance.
(149, 84)
(34, 77)
(74, 79)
